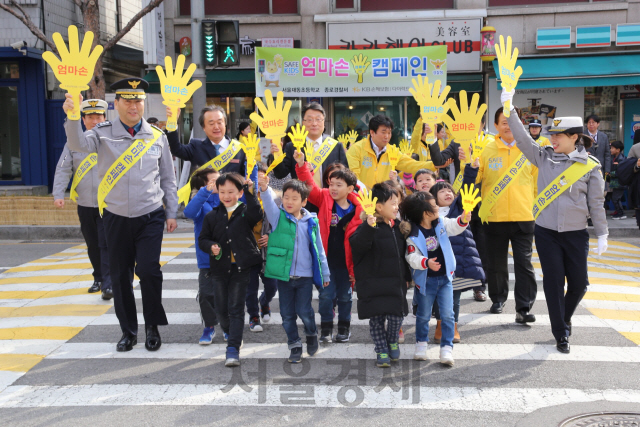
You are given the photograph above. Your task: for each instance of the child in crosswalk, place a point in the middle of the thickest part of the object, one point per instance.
(339, 216)
(433, 264)
(469, 271)
(257, 306)
(227, 235)
(204, 197)
(381, 273)
(295, 257)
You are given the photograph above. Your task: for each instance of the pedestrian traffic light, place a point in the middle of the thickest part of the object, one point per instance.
(228, 51)
(208, 42)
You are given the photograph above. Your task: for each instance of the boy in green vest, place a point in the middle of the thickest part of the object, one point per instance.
(295, 257)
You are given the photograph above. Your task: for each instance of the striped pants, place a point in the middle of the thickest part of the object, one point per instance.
(383, 337)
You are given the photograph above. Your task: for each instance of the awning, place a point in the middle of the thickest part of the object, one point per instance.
(224, 82)
(466, 82)
(578, 71)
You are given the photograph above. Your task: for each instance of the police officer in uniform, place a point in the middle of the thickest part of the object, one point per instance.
(93, 112)
(134, 216)
(535, 127)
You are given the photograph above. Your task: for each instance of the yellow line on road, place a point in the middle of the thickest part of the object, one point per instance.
(19, 362)
(39, 333)
(614, 282)
(633, 336)
(83, 265)
(42, 294)
(604, 296)
(45, 279)
(55, 310)
(605, 313)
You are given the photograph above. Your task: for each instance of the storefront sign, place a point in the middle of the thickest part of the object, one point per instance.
(553, 38)
(593, 36)
(461, 36)
(627, 34)
(340, 73)
(286, 42)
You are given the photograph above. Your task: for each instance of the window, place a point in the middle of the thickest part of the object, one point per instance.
(9, 70)
(379, 5)
(243, 7)
(355, 113)
(10, 161)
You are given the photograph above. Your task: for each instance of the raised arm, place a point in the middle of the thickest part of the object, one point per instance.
(185, 152)
(531, 150)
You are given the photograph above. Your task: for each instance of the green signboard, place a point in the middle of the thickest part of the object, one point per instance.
(347, 73)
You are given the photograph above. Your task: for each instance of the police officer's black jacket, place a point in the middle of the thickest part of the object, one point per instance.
(234, 235)
(380, 269)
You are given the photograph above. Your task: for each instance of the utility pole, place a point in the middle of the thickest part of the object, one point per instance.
(200, 96)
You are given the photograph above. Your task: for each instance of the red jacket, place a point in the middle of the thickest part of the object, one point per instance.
(322, 199)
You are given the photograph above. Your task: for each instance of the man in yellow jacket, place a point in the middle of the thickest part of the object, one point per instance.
(368, 157)
(510, 219)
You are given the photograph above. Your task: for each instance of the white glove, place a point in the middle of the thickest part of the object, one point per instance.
(507, 96)
(602, 244)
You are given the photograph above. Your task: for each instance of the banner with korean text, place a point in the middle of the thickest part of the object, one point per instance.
(337, 73)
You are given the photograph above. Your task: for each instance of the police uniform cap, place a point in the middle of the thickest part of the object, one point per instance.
(131, 88)
(566, 124)
(94, 106)
(535, 122)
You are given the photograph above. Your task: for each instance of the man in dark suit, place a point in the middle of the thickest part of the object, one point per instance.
(600, 148)
(213, 120)
(313, 117)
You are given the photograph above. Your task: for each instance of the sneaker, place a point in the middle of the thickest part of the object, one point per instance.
(312, 345)
(207, 336)
(343, 334)
(265, 312)
(618, 215)
(401, 337)
(394, 352)
(421, 351)
(254, 325)
(382, 360)
(233, 357)
(296, 355)
(225, 336)
(445, 355)
(326, 332)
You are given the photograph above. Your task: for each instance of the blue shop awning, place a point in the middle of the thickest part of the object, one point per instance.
(578, 71)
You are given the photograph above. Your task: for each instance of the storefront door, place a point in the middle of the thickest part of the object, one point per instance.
(631, 122)
(10, 164)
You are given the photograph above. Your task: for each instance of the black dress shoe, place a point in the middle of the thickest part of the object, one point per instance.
(563, 345)
(107, 294)
(153, 341)
(523, 316)
(127, 342)
(496, 307)
(95, 287)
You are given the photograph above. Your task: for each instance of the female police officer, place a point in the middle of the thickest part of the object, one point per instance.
(571, 187)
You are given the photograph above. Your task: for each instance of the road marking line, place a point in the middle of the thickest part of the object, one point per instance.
(39, 333)
(55, 310)
(603, 313)
(19, 362)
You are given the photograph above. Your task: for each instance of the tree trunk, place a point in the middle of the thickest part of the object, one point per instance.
(91, 19)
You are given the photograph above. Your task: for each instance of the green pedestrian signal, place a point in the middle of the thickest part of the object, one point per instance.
(228, 54)
(209, 42)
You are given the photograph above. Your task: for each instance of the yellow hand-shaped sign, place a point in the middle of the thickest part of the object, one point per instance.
(298, 136)
(275, 117)
(466, 122)
(360, 65)
(174, 88)
(74, 69)
(480, 142)
(250, 146)
(405, 147)
(393, 154)
(368, 204)
(308, 150)
(276, 161)
(353, 136)
(469, 199)
(431, 102)
(509, 74)
(344, 139)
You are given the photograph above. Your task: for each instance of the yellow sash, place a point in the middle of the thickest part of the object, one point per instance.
(322, 152)
(130, 157)
(560, 184)
(500, 187)
(457, 184)
(218, 162)
(88, 163)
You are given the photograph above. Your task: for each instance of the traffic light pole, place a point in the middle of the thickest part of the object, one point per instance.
(199, 98)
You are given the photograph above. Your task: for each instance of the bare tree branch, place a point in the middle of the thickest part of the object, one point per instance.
(26, 20)
(115, 39)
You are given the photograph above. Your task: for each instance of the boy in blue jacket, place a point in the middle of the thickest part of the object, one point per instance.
(204, 197)
(433, 266)
(296, 258)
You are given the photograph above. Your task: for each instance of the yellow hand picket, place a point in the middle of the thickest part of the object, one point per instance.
(250, 146)
(360, 65)
(405, 147)
(432, 103)
(353, 137)
(276, 161)
(275, 116)
(367, 202)
(479, 144)
(74, 69)
(466, 120)
(509, 74)
(393, 154)
(174, 88)
(298, 136)
(468, 197)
